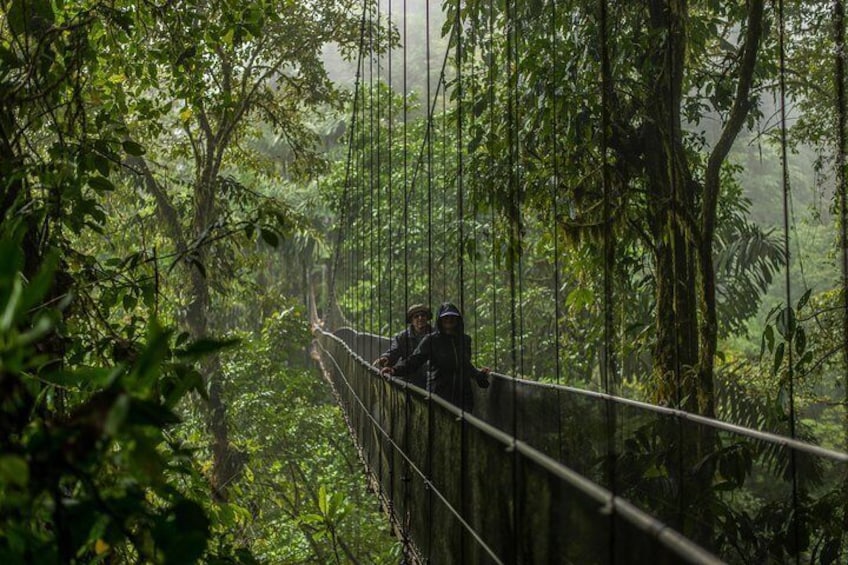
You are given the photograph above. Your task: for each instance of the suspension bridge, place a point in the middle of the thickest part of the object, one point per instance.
(464, 196)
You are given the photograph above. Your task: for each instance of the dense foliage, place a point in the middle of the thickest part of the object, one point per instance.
(599, 191)
(147, 156)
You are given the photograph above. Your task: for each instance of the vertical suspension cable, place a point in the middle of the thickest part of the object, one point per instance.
(519, 193)
(608, 364)
(512, 79)
(347, 188)
(371, 179)
(839, 78)
(491, 165)
(445, 239)
(463, 463)
(388, 275)
(552, 100)
(429, 162)
(787, 280)
(406, 189)
(363, 232)
(379, 183)
(475, 196)
(430, 411)
(390, 206)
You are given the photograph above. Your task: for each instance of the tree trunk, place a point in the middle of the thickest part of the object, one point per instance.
(225, 464)
(671, 200)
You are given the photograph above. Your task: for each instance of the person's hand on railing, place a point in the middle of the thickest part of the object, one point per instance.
(483, 378)
(387, 372)
(380, 361)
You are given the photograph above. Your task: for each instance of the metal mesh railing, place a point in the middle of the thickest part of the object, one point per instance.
(745, 495)
(468, 492)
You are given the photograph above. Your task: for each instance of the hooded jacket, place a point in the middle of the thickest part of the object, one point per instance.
(449, 356)
(402, 346)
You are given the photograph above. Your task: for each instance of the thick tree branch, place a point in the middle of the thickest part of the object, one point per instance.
(164, 207)
(738, 114)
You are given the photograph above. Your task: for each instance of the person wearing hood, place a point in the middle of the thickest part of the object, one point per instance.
(448, 352)
(403, 344)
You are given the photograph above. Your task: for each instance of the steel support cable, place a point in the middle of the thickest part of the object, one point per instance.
(383, 241)
(778, 440)
(375, 261)
(431, 487)
(379, 183)
(475, 211)
(512, 141)
(369, 271)
(345, 207)
(429, 145)
(406, 191)
(371, 180)
(608, 370)
(431, 110)
(390, 270)
(363, 231)
(443, 255)
(463, 463)
(790, 329)
(390, 165)
(492, 196)
(552, 98)
(841, 134)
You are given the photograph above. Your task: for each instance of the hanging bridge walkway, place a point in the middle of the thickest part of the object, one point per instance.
(542, 473)
(537, 177)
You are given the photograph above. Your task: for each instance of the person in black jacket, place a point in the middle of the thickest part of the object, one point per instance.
(448, 353)
(418, 318)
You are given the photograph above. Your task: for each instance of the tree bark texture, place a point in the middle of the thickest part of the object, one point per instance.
(671, 199)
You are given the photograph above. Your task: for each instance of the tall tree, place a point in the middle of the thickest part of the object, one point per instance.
(669, 62)
(227, 66)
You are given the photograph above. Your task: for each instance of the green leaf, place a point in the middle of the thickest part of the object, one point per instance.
(12, 302)
(786, 322)
(800, 340)
(133, 148)
(270, 237)
(778, 357)
(14, 470)
(769, 336)
(182, 338)
(579, 298)
(102, 164)
(148, 366)
(97, 376)
(11, 261)
(101, 184)
(189, 533)
(804, 298)
(117, 415)
(149, 413)
(322, 500)
(42, 281)
(205, 346)
(30, 16)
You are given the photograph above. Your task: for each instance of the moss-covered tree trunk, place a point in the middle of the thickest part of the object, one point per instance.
(671, 201)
